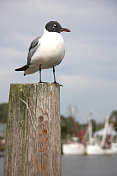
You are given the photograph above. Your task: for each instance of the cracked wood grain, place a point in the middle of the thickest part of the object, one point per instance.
(33, 141)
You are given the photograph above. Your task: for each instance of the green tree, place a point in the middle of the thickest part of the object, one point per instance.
(67, 127)
(113, 118)
(93, 125)
(63, 127)
(3, 112)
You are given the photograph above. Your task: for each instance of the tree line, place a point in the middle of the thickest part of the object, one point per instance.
(67, 123)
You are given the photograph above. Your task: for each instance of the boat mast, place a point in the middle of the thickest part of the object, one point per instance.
(105, 131)
(73, 112)
(90, 126)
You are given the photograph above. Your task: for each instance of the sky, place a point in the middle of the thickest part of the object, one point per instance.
(88, 72)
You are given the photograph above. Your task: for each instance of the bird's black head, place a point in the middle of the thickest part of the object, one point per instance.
(54, 26)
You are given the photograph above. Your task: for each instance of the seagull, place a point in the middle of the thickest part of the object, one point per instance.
(46, 51)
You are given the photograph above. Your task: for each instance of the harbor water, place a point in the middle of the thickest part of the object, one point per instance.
(89, 165)
(84, 165)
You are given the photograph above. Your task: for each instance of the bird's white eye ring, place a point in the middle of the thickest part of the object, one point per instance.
(54, 26)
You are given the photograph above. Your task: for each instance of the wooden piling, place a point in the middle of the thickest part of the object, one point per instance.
(33, 140)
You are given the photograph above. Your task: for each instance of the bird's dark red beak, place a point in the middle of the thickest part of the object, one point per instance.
(65, 29)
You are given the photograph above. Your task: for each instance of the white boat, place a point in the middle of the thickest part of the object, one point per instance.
(73, 149)
(114, 147)
(93, 148)
(97, 150)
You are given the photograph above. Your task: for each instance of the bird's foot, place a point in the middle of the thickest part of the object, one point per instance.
(57, 83)
(42, 82)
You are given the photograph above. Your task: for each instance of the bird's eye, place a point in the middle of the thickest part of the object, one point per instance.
(54, 26)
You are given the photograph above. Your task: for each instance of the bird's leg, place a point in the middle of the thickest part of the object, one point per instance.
(40, 73)
(54, 75)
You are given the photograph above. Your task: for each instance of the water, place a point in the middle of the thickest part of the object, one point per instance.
(84, 165)
(1, 166)
(89, 165)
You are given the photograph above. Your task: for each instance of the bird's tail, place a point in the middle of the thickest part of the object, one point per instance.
(22, 68)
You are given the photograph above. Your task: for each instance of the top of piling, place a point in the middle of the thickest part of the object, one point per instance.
(38, 84)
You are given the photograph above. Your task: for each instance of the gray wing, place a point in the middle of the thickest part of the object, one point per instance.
(33, 47)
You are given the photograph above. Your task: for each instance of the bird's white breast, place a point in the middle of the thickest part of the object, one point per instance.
(51, 50)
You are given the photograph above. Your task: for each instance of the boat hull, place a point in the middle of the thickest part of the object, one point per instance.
(97, 150)
(73, 149)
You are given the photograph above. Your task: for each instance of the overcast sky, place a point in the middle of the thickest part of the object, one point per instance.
(88, 72)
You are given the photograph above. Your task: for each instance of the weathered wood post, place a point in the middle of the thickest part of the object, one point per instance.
(33, 141)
